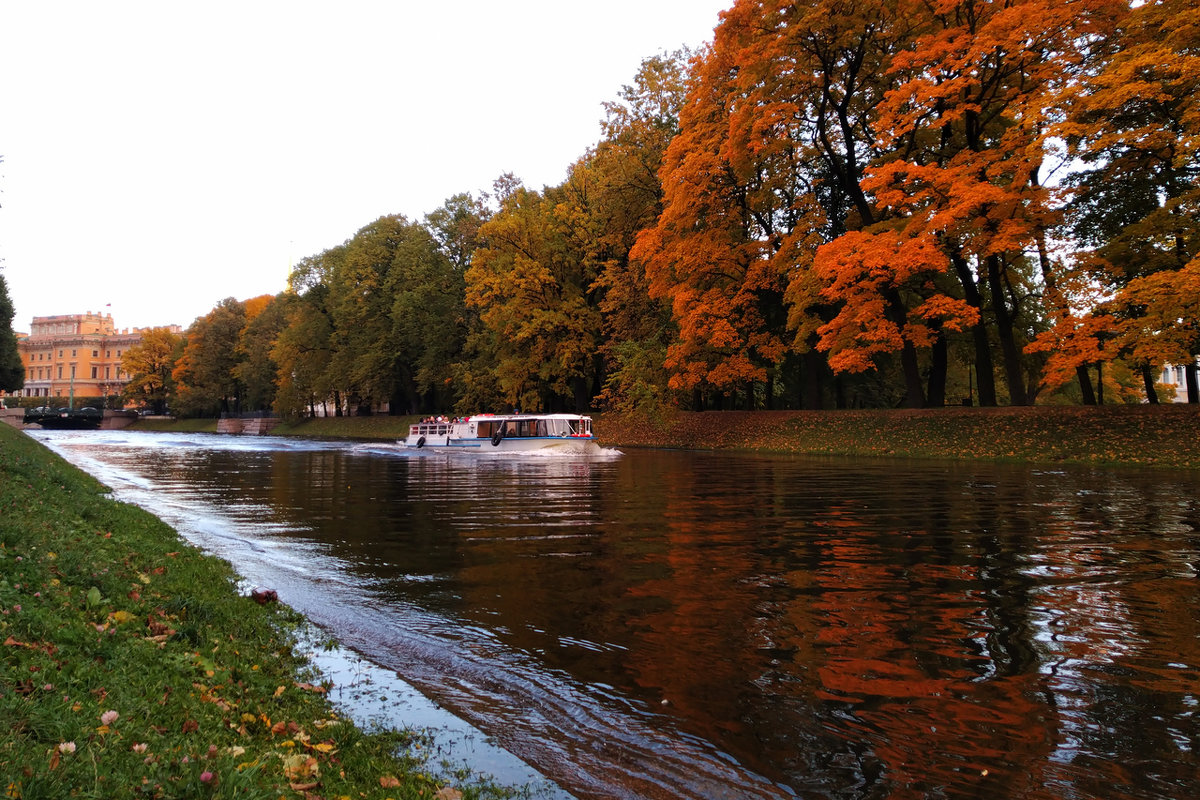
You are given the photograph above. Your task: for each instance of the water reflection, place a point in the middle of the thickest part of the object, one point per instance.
(705, 625)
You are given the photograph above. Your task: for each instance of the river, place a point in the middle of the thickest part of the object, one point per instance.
(665, 624)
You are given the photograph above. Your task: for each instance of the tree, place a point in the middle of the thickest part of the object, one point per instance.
(429, 316)
(206, 383)
(303, 349)
(365, 357)
(625, 198)
(12, 370)
(256, 369)
(150, 364)
(706, 255)
(1135, 127)
(531, 282)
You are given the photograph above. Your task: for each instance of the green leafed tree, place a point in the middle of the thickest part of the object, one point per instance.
(256, 369)
(12, 371)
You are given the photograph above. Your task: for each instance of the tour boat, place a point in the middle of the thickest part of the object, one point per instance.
(507, 433)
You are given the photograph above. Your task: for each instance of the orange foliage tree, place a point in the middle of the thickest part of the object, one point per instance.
(1135, 126)
(966, 124)
(706, 254)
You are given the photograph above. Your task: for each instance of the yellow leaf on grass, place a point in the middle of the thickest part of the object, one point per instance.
(300, 767)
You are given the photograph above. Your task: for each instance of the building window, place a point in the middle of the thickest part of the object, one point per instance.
(95, 354)
(60, 372)
(74, 353)
(107, 373)
(94, 373)
(60, 353)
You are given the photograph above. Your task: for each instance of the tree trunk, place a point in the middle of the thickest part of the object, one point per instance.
(813, 364)
(1148, 383)
(985, 371)
(1004, 330)
(1085, 385)
(937, 373)
(1193, 385)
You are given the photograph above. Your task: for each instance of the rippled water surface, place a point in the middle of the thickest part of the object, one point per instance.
(690, 625)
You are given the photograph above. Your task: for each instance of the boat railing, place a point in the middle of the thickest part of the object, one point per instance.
(430, 429)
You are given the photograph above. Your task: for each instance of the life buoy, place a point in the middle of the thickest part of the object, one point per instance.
(421, 442)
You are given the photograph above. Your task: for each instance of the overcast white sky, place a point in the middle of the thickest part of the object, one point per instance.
(161, 156)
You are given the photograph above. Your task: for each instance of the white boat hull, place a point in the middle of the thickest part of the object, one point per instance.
(548, 434)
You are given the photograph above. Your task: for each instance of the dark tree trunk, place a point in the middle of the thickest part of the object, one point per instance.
(1193, 385)
(1004, 330)
(1085, 385)
(1148, 383)
(914, 394)
(984, 369)
(813, 364)
(938, 368)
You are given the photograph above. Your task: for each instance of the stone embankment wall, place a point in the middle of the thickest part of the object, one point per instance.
(251, 426)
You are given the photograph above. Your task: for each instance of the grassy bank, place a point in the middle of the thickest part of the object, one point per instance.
(1160, 436)
(131, 667)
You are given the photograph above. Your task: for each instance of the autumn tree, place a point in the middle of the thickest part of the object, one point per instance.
(150, 364)
(12, 370)
(256, 369)
(206, 383)
(1135, 128)
(707, 253)
(532, 284)
(626, 198)
(302, 350)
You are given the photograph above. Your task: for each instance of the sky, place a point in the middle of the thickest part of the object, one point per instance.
(161, 156)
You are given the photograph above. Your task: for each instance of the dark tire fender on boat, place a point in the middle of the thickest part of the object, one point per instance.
(496, 437)
(421, 442)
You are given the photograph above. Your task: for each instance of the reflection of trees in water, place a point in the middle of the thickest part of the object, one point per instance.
(854, 629)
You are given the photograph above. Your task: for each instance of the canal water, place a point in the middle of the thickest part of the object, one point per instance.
(663, 624)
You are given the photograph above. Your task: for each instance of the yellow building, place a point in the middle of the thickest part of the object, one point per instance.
(76, 355)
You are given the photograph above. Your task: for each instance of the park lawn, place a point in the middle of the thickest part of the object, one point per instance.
(132, 667)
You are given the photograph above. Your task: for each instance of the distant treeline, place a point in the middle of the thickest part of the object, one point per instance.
(885, 203)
